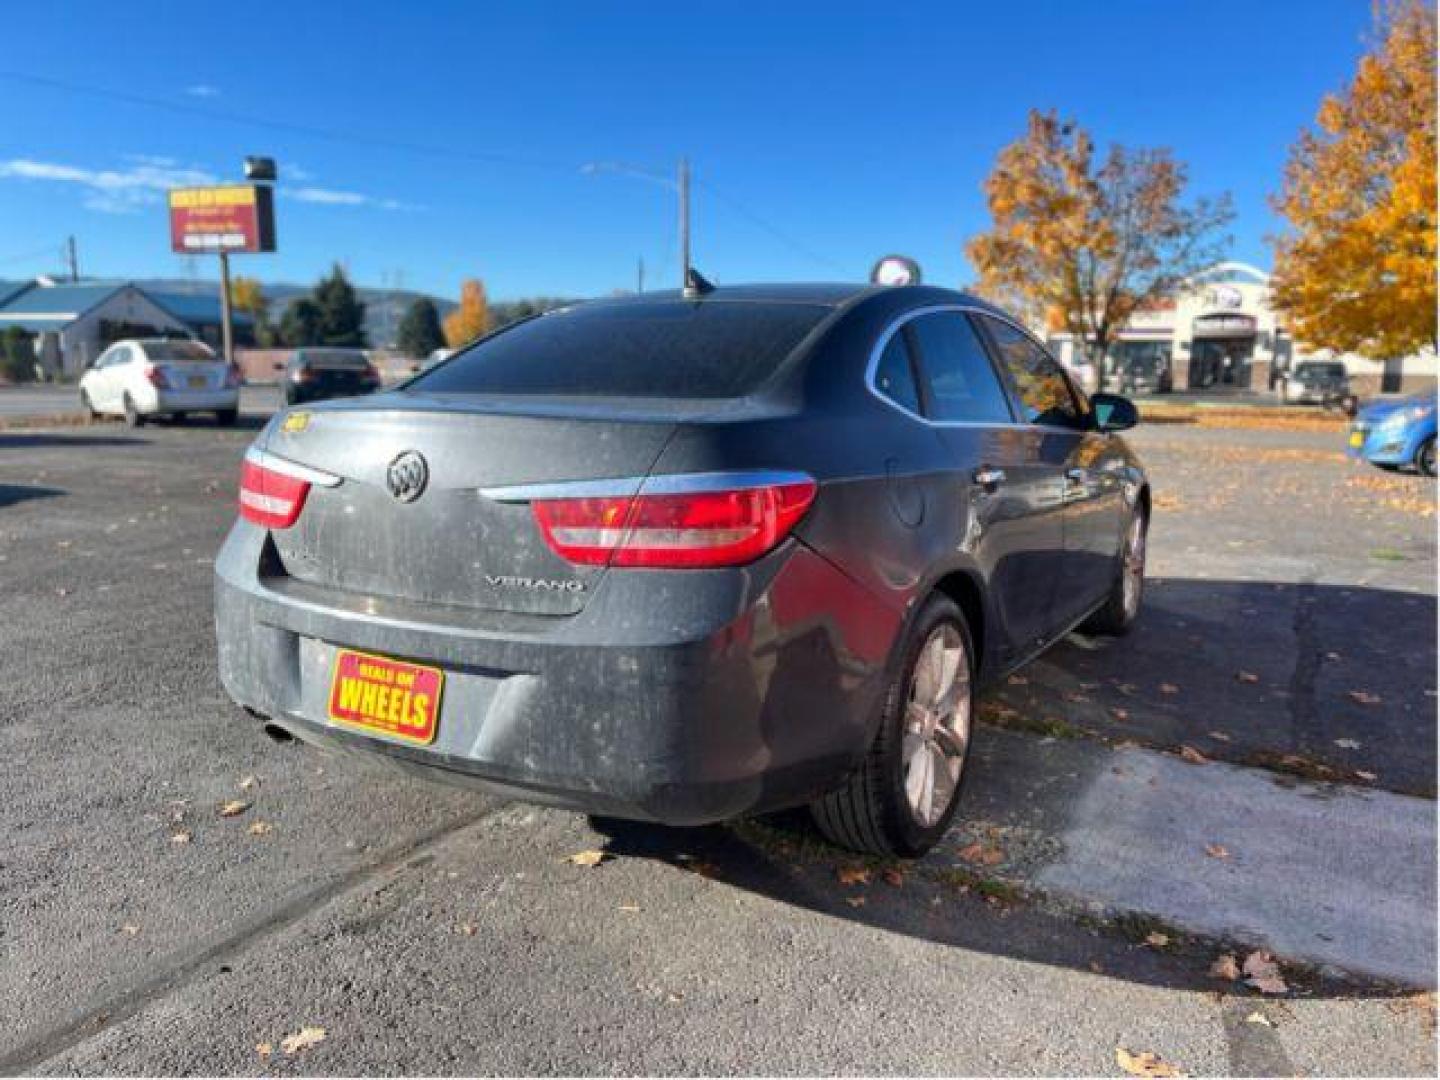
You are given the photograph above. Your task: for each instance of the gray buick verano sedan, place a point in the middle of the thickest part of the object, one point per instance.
(682, 558)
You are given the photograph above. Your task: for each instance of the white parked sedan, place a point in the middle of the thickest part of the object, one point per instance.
(148, 377)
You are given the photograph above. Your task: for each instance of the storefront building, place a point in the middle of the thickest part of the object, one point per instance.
(1221, 335)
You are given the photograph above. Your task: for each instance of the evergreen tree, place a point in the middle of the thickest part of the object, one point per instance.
(420, 333)
(300, 324)
(342, 316)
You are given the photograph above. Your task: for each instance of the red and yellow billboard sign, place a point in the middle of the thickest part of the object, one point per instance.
(233, 217)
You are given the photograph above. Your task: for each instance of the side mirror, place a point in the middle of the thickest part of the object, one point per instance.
(1113, 412)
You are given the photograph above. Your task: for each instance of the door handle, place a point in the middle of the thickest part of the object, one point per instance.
(987, 476)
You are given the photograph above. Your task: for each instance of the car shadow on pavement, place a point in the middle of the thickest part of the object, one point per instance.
(1311, 647)
(1324, 682)
(10, 494)
(39, 440)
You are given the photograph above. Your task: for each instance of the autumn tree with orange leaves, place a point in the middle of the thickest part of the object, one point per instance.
(1356, 268)
(1080, 242)
(472, 318)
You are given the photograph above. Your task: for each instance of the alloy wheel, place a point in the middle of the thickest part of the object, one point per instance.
(937, 724)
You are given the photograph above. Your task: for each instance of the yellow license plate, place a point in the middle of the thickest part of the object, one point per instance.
(390, 697)
(197, 382)
(1357, 439)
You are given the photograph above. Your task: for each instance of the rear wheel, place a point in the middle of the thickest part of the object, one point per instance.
(132, 414)
(1123, 604)
(1425, 457)
(901, 798)
(226, 417)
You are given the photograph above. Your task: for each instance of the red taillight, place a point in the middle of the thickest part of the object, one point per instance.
(233, 378)
(674, 529)
(156, 377)
(372, 373)
(269, 498)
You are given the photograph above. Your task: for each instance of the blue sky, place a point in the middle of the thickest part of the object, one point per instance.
(430, 142)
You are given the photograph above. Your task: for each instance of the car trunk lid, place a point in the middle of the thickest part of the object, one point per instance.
(447, 544)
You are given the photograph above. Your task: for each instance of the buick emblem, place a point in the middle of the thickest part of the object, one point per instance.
(407, 476)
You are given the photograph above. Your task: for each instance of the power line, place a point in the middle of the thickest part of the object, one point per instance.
(774, 231)
(304, 130)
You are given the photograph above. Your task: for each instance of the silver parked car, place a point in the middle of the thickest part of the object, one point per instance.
(147, 377)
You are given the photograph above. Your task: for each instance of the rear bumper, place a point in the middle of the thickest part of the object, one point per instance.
(679, 697)
(167, 401)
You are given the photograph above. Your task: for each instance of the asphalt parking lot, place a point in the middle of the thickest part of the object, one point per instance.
(1284, 668)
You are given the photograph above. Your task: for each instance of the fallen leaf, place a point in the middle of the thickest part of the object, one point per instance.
(1157, 940)
(853, 875)
(1259, 1018)
(893, 877)
(1247, 677)
(1190, 754)
(1120, 714)
(1225, 966)
(248, 782)
(130, 928)
(1219, 736)
(1169, 688)
(1018, 680)
(180, 838)
(590, 857)
(303, 1039)
(260, 828)
(264, 1049)
(1144, 1064)
(1347, 744)
(1217, 851)
(1364, 697)
(855, 901)
(1369, 776)
(233, 808)
(467, 928)
(630, 908)
(1263, 973)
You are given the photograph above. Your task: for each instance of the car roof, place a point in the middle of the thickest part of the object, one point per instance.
(826, 294)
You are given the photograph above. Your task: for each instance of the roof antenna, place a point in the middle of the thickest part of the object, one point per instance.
(696, 284)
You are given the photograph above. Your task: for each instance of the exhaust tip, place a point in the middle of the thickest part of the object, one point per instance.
(278, 733)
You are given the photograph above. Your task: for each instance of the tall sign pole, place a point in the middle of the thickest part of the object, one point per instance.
(227, 331)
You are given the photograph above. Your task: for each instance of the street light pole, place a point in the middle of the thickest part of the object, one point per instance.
(227, 334)
(685, 286)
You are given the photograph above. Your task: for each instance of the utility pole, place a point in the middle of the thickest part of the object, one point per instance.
(72, 258)
(640, 274)
(227, 336)
(685, 227)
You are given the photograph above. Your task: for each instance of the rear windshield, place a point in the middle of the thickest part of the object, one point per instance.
(178, 352)
(712, 349)
(333, 357)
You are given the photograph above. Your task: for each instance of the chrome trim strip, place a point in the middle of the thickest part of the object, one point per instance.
(914, 313)
(663, 484)
(290, 468)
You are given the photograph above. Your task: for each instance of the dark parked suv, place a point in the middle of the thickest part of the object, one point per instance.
(315, 374)
(684, 558)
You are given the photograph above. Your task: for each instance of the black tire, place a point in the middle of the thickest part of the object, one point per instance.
(227, 417)
(1120, 610)
(88, 406)
(872, 812)
(1425, 457)
(132, 414)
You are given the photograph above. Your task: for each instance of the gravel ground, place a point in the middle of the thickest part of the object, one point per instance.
(428, 929)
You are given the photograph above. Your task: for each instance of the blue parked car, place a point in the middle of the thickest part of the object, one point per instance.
(1396, 432)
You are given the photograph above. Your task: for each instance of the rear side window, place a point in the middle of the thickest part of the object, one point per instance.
(894, 377)
(962, 383)
(1043, 389)
(660, 349)
(178, 352)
